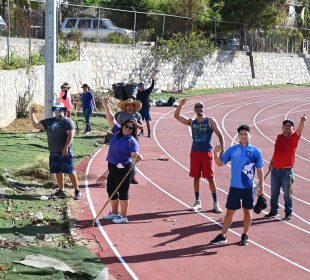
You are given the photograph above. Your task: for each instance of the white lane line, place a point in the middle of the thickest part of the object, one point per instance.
(102, 231)
(184, 167)
(300, 111)
(234, 141)
(219, 224)
(266, 108)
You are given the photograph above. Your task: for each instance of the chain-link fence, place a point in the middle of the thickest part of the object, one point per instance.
(77, 24)
(281, 39)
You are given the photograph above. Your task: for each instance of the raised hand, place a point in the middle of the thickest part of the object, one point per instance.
(303, 117)
(183, 101)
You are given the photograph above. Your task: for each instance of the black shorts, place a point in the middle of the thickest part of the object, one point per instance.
(236, 196)
(115, 176)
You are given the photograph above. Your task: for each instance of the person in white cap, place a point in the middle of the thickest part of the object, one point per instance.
(60, 132)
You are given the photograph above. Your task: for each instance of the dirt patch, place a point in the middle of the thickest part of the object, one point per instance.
(24, 125)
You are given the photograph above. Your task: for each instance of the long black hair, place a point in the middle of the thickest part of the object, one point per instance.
(134, 130)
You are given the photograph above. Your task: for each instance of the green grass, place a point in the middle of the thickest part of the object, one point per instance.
(18, 149)
(197, 92)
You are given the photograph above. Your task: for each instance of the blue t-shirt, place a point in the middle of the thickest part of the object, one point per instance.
(120, 148)
(87, 101)
(244, 160)
(201, 135)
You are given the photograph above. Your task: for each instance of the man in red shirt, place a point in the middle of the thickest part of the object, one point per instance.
(281, 166)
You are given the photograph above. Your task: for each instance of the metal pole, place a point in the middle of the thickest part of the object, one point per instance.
(98, 25)
(29, 34)
(57, 38)
(50, 56)
(164, 22)
(214, 32)
(9, 33)
(134, 27)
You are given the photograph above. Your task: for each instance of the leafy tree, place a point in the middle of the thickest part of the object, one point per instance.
(259, 14)
(183, 51)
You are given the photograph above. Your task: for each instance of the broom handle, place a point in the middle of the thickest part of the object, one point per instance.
(117, 188)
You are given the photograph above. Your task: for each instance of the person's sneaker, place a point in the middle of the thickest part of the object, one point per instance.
(149, 135)
(271, 215)
(120, 220)
(141, 133)
(77, 195)
(288, 217)
(134, 180)
(61, 194)
(244, 239)
(219, 239)
(197, 206)
(216, 208)
(111, 216)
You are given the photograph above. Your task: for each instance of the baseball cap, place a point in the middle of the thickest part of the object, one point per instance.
(288, 121)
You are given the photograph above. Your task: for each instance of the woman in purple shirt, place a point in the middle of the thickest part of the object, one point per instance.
(123, 152)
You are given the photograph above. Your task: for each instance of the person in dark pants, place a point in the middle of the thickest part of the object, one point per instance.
(281, 166)
(144, 96)
(60, 132)
(123, 152)
(88, 105)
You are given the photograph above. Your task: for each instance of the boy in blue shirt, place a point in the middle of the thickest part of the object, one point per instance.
(245, 158)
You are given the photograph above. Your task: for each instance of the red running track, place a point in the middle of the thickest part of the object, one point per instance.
(163, 240)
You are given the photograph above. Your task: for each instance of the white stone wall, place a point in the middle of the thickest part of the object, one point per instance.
(102, 65)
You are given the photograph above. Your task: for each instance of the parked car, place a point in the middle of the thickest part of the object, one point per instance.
(230, 44)
(3, 25)
(93, 27)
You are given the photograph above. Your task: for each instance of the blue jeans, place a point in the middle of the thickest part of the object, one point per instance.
(284, 178)
(87, 114)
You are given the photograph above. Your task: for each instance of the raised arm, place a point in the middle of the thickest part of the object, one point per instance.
(177, 113)
(35, 123)
(301, 125)
(109, 114)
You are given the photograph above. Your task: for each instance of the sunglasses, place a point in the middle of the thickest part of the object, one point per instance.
(59, 109)
(128, 127)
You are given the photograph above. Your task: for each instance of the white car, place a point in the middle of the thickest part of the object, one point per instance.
(93, 27)
(3, 25)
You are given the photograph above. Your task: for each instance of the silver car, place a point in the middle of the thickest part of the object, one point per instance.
(92, 28)
(3, 25)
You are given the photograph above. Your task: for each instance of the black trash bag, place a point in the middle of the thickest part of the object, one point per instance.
(131, 91)
(171, 100)
(119, 91)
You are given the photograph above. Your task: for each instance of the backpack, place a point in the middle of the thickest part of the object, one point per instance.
(171, 100)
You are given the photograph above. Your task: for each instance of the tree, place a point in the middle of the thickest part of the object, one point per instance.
(183, 51)
(259, 14)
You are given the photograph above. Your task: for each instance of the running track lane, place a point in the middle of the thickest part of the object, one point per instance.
(165, 240)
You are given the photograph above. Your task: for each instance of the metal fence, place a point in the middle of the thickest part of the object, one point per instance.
(29, 22)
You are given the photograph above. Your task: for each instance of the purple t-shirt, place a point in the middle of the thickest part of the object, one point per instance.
(120, 148)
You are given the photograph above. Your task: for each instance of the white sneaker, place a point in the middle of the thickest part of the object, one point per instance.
(111, 216)
(120, 220)
(197, 206)
(216, 208)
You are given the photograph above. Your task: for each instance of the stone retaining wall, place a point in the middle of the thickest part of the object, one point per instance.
(102, 65)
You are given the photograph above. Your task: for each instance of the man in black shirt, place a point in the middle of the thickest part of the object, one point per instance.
(144, 96)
